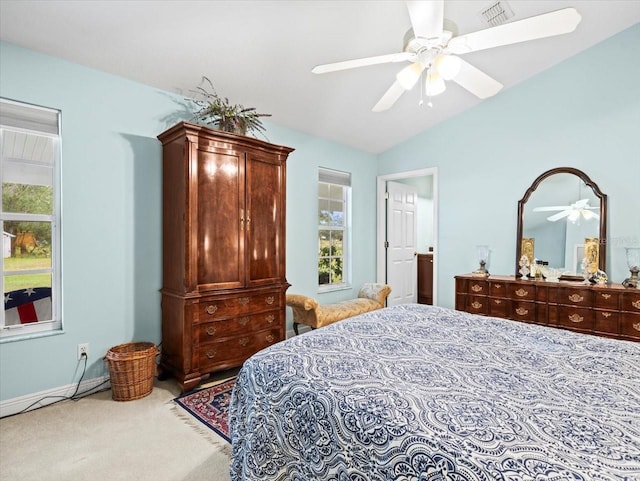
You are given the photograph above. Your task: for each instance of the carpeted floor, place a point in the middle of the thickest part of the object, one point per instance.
(96, 439)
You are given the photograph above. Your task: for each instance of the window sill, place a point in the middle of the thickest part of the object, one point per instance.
(341, 287)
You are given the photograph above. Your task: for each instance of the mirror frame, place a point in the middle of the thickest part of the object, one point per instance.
(602, 261)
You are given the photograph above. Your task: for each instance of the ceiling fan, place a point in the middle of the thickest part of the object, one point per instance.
(571, 212)
(431, 45)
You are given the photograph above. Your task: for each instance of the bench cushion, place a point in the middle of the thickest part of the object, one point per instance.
(307, 310)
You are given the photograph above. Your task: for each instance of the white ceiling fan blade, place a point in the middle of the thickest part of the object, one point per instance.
(580, 204)
(540, 26)
(476, 81)
(362, 62)
(389, 98)
(559, 215)
(427, 17)
(551, 207)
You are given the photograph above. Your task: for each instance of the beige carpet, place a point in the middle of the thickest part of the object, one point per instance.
(97, 439)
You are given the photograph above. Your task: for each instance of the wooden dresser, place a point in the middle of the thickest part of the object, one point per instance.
(611, 310)
(425, 278)
(223, 291)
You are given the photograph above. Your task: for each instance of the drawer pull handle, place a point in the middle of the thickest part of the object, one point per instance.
(636, 326)
(476, 305)
(211, 309)
(211, 330)
(636, 304)
(576, 298)
(497, 286)
(521, 292)
(576, 318)
(521, 311)
(606, 314)
(243, 321)
(211, 354)
(243, 342)
(243, 301)
(270, 300)
(270, 338)
(476, 288)
(497, 301)
(606, 296)
(270, 318)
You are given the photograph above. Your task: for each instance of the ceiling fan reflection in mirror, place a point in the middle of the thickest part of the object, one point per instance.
(432, 46)
(571, 212)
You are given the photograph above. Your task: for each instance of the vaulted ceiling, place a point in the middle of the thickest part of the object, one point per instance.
(260, 53)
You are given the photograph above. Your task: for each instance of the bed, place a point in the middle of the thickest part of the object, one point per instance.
(416, 392)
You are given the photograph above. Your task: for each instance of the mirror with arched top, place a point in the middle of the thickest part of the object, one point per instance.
(562, 220)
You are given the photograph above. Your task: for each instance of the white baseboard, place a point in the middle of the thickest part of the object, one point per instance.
(50, 396)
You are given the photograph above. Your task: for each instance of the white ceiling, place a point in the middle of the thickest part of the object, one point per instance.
(260, 53)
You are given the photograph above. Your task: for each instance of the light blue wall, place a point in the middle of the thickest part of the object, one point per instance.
(486, 157)
(111, 187)
(582, 113)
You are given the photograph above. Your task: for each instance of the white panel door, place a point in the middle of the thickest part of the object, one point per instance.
(402, 260)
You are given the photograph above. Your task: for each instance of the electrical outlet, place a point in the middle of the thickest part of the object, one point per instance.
(83, 350)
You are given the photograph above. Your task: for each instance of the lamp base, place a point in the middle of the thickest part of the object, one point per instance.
(633, 281)
(481, 271)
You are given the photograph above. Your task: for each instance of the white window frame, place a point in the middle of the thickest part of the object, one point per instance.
(342, 179)
(19, 117)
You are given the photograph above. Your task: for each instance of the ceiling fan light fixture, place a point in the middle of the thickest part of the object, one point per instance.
(448, 66)
(409, 76)
(434, 84)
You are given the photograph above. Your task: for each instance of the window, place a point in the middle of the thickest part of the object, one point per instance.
(29, 183)
(334, 192)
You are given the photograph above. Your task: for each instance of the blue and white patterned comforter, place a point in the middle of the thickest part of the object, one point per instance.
(417, 392)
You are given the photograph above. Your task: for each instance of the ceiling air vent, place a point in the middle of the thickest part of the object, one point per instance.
(497, 13)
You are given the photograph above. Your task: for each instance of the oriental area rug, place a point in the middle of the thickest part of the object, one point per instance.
(210, 406)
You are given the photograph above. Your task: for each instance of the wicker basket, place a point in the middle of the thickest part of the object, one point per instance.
(131, 368)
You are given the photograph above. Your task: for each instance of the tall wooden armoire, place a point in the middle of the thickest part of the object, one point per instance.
(223, 291)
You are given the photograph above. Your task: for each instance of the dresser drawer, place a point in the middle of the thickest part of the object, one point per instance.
(522, 292)
(498, 307)
(630, 325)
(478, 305)
(209, 331)
(478, 288)
(631, 302)
(498, 289)
(235, 350)
(606, 321)
(606, 300)
(523, 311)
(576, 297)
(575, 317)
(226, 307)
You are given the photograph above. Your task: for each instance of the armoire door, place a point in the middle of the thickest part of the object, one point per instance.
(220, 219)
(266, 211)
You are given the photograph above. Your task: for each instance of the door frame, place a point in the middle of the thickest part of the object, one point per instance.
(381, 235)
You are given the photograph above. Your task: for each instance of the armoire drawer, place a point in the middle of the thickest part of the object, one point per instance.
(225, 307)
(239, 348)
(498, 307)
(209, 331)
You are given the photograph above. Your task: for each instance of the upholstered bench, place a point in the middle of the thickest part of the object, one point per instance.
(308, 311)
